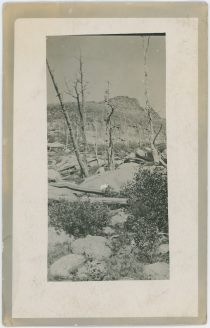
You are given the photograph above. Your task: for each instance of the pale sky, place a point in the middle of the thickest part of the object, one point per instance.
(118, 59)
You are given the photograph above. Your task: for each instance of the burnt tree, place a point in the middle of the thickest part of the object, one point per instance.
(82, 164)
(148, 108)
(111, 106)
(78, 92)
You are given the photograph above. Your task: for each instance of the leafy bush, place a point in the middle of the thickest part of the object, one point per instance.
(148, 210)
(78, 218)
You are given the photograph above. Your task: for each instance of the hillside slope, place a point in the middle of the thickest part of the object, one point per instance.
(131, 124)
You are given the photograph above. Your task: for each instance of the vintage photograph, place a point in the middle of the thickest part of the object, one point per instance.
(107, 158)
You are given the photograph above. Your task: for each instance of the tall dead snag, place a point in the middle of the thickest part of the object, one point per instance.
(77, 91)
(95, 145)
(82, 165)
(148, 108)
(109, 128)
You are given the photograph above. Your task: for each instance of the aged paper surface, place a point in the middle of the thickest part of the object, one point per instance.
(32, 295)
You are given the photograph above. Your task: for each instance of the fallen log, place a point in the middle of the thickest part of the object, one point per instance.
(99, 200)
(136, 160)
(75, 187)
(67, 167)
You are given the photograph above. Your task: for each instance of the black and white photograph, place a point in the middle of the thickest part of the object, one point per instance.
(105, 164)
(107, 158)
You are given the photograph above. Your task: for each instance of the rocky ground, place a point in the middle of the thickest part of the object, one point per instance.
(110, 256)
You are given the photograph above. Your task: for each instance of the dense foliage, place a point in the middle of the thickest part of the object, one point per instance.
(78, 218)
(148, 210)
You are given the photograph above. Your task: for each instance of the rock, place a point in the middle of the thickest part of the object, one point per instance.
(132, 155)
(127, 278)
(100, 170)
(92, 246)
(156, 271)
(61, 193)
(119, 218)
(164, 155)
(114, 179)
(163, 249)
(63, 267)
(108, 231)
(55, 237)
(94, 270)
(141, 153)
(53, 175)
(104, 187)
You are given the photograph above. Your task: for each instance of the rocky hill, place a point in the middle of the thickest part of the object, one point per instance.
(131, 124)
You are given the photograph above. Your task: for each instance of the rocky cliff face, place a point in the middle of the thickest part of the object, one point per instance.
(131, 124)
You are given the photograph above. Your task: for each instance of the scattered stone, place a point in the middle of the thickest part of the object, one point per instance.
(156, 271)
(92, 246)
(108, 231)
(53, 175)
(163, 249)
(119, 218)
(63, 267)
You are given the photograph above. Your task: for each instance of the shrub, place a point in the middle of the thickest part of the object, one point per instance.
(78, 218)
(148, 210)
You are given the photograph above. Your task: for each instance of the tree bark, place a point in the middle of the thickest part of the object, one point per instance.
(155, 152)
(83, 121)
(109, 132)
(82, 165)
(79, 94)
(96, 142)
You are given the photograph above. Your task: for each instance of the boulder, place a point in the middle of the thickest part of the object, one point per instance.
(140, 153)
(55, 237)
(115, 179)
(100, 170)
(53, 176)
(119, 218)
(156, 271)
(163, 249)
(61, 193)
(63, 267)
(108, 231)
(164, 155)
(94, 247)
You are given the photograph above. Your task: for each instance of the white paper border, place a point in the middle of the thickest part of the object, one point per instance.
(33, 296)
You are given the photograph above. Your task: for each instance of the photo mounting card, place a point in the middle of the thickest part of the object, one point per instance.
(105, 164)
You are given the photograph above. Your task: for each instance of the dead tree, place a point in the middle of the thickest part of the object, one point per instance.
(148, 109)
(83, 166)
(138, 127)
(95, 145)
(109, 128)
(77, 92)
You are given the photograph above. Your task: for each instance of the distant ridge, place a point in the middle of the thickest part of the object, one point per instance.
(129, 118)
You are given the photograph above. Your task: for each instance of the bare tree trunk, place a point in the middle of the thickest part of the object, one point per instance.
(110, 150)
(78, 93)
(96, 143)
(155, 153)
(82, 165)
(83, 87)
(109, 132)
